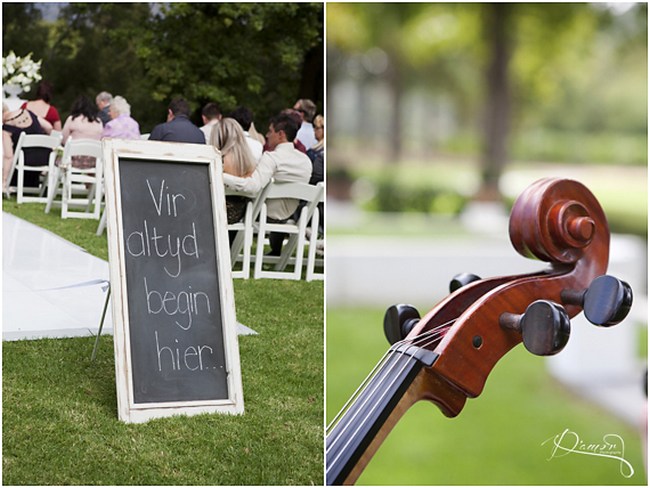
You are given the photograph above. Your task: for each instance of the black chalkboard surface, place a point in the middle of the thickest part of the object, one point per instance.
(170, 260)
(177, 350)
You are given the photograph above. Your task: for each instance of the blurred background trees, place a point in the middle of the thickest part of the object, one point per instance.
(264, 56)
(487, 83)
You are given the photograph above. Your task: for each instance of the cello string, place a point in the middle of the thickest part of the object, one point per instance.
(369, 414)
(431, 335)
(434, 331)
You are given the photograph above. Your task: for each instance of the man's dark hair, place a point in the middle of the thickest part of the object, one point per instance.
(288, 122)
(244, 116)
(179, 106)
(211, 111)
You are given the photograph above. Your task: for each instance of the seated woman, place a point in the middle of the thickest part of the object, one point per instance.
(122, 125)
(228, 137)
(13, 123)
(83, 123)
(41, 105)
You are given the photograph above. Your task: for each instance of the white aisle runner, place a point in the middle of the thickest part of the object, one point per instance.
(51, 287)
(39, 296)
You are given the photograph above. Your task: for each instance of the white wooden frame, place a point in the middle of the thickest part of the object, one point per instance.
(128, 410)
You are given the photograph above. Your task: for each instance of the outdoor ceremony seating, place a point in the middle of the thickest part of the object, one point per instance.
(242, 244)
(80, 187)
(294, 249)
(26, 141)
(312, 260)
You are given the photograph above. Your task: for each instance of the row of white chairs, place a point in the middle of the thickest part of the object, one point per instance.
(79, 193)
(302, 235)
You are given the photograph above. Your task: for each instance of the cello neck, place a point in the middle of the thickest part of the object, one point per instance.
(369, 418)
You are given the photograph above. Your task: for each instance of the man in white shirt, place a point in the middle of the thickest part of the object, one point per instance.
(307, 109)
(211, 114)
(245, 118)
(282, 163)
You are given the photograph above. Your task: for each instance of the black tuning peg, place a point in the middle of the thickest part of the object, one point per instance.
(606, 302)
(544, 326)
(399, 320)
(461, 280)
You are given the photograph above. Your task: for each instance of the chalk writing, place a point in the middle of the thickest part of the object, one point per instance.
(184, 303)
(193, 358)
(149, 243)
(172, 209)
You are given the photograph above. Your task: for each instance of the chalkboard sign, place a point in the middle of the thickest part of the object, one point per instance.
(173, 306)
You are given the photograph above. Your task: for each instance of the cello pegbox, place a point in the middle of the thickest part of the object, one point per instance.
(606, 301)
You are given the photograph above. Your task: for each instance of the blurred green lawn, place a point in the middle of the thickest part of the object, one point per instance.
(496, 440)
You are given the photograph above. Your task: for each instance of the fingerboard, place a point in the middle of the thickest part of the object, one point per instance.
(361, 422)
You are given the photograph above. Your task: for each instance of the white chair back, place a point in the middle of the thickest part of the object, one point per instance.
(79, 186)
(293, 249)
(314, 244)
(19, 145)
(29, 141)
(240, 249)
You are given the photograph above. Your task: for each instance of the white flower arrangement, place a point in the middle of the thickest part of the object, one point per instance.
(22, 72)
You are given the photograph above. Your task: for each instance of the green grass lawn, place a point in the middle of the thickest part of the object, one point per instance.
(496, 440)
(60, 421)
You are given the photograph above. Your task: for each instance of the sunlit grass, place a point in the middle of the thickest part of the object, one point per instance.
(60, 423)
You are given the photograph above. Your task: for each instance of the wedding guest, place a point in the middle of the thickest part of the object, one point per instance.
(228, 137)
(307, 109)
(244, 116)
(295, 116)
(13, 123)
(178, 127)
(42, 107)
(317, 151)
(211, 114)
(282, 162)
(121, 125)
(83, 123)
(103, 101)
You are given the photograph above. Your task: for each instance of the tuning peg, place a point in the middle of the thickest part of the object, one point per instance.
(461, 280)
(606, 302)
(544, 326)
(399, 320)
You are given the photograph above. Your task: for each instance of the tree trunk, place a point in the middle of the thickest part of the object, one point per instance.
(497, 27)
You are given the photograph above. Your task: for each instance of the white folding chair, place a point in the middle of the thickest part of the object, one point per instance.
(314, 243)
(80, 187)
(311, 194)
(26, 142)
(14, 162)
(240, 249)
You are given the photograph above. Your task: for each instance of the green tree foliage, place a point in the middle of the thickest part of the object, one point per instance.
(236, 54)
(242, 53)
